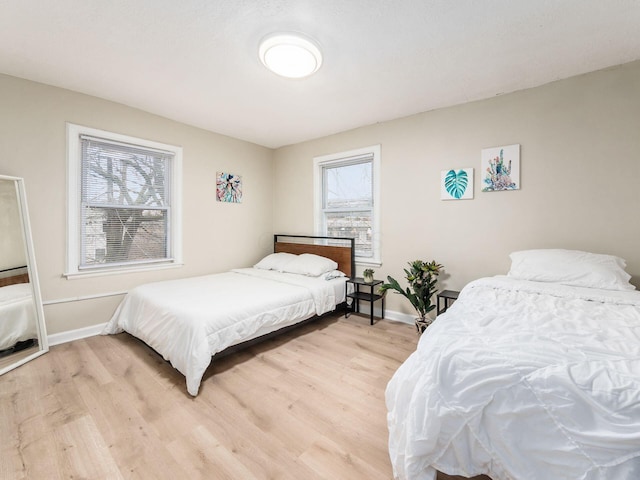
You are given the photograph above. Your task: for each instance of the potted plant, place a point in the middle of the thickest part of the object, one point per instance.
(422, 278)
(367, 274)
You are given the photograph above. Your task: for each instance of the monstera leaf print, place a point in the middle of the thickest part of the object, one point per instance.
(456, 183)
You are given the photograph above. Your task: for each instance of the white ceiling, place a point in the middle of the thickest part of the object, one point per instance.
(195, 61)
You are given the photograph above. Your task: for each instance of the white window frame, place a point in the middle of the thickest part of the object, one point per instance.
(346, 158)
(74, 202)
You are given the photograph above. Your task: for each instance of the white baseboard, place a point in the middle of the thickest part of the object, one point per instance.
(396, 316)
(71, 335)
(388, 314)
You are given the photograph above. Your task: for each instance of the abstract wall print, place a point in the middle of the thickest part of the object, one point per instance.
(228, 187)
(501, 168)
(456, 184)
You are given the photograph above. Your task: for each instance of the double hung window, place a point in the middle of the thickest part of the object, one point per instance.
(124, 202)
(347, 199)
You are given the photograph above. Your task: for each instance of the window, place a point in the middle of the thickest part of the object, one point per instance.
(124, 202)
(347, 199)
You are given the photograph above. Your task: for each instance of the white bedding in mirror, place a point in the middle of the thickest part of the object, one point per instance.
(17, 315)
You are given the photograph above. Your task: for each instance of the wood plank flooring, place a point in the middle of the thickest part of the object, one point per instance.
(306, 405)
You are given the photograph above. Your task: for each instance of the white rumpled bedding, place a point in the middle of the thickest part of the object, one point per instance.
(522, 380)
(189, 320)
(17, 315)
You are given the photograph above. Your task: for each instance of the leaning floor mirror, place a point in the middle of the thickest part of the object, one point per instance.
(22, 331)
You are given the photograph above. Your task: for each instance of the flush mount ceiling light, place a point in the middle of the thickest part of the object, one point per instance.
(290, 55)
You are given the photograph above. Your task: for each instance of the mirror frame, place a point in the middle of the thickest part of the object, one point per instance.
(43, 344)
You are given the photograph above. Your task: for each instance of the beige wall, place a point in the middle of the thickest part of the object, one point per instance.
(216, 236)
(12, 250)
(580, 174)
(580, 170)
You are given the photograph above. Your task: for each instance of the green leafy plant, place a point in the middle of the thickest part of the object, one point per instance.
(368, 274)
(422, 278)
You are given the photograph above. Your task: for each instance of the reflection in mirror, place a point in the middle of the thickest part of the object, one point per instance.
(22, 331)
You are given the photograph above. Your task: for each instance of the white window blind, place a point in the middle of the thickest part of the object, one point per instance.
(126, 204)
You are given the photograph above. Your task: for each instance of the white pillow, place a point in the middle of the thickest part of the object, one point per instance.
(275, 261)
(310, 265)
(571, 267)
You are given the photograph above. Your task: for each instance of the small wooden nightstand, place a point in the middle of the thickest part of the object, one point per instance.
(447, 297)
(357, 295)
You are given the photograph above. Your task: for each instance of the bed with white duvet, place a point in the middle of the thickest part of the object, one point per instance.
(535, 375)
(189, 320)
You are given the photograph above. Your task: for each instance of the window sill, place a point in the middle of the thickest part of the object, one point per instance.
(119, 271)
(368, 263)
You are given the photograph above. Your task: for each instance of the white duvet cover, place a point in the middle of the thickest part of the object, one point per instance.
(189, 320)
(17, 315)
(522, 380)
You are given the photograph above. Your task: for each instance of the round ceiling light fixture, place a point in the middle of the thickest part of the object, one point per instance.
(290, 55)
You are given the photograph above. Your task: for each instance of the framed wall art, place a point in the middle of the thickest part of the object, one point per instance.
(228, 187)
(456, 184)
(501, 168)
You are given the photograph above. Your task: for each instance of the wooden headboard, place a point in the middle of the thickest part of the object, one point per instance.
(343, 255)
(8, 278)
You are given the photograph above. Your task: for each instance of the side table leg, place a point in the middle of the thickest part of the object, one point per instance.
(372, 303)
(346, 300)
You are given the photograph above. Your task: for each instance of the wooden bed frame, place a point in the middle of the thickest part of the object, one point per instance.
(6, 278)
(344, 256)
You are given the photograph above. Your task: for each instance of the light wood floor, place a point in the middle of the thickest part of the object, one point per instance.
(307, 405)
